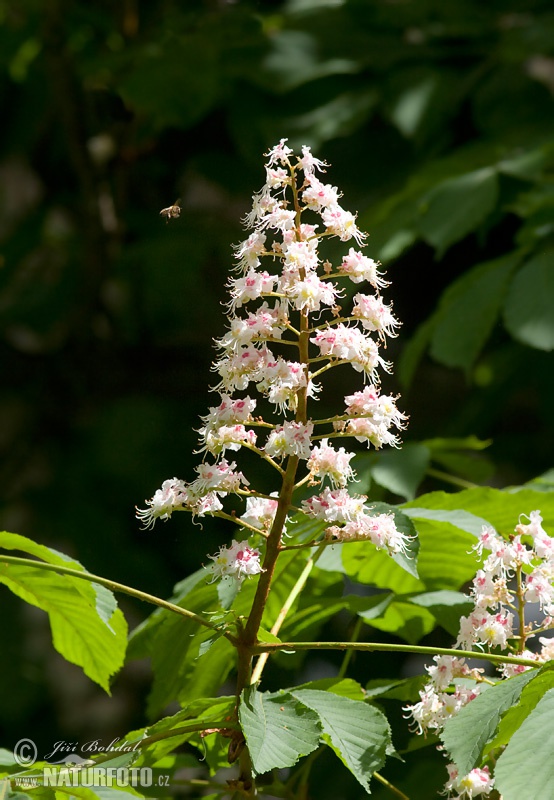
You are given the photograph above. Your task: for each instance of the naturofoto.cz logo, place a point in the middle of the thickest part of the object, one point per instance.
(88, 777)
(72, 770)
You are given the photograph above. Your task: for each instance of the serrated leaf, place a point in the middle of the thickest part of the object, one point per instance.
(529, 698)
(457, 206)
(528, 308)
(406, 689)
(105, 601)
(358, 733)
(466, 734)
(78, 632)
(526, 767)
(345, 687)
(278, 729)
(468, 310)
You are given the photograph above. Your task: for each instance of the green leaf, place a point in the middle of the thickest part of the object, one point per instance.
(399, 471)
(406, 690)
(79, 633)
(457, 206)
(364, 563)
(460, 457)
(528, 308)
(187, 661)
(468, 310)
(446, 606)
(104, 600)
(142, 637)
(459, 518)
(408, 560)
(208, 711)
(501, 509)
(278, 729)
(445, 558)
(530, 696)
(404, 620)
(413, 352)
(466, 734)
(526, 767)
(345, 687)
(358, 733)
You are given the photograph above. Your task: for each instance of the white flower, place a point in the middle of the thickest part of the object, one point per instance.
(326, 462)
(334, 505)
(260, 512)
(238, 561)
(166, 500)
(290, 439)
(361, 268)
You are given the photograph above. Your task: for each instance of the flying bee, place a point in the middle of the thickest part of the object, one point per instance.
(172, 212)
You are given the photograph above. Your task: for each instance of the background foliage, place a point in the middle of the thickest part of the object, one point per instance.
(437, 118)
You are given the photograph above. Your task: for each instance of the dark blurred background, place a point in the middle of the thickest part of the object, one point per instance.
(438, 120)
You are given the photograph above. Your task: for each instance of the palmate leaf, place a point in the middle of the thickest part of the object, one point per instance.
(87, 628)
(281, 727)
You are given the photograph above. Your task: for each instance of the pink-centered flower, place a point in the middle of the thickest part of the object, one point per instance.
(290, 439)
(237, 561)
(260, 512)
(165, 501)
(362, 268)
(326, 462)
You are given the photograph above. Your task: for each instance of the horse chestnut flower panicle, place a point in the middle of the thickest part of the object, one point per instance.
(285, 332)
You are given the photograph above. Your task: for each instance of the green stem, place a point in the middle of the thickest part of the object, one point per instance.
(287, 605)
(453, 479)
(390, 786)
(373, 647)
(348, 655)
(115, 587)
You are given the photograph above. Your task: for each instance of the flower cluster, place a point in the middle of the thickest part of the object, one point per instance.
(285, 330)
(517, 571)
